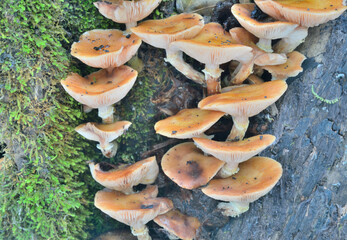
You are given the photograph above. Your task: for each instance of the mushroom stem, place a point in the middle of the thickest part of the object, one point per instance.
(109, 150)
(141, 233)
(228, 169)
(294, 39)
(265, 44)
(109, 71)
(233, 209)
(242, 72)
(212, 77)
(106, 113)
(128, 26)
(175, 58)
(239, 128)
(87, 109)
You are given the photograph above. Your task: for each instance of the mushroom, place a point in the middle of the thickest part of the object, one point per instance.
(261, 58)
(178, 225)
(256, 178)
(306, 13)
(105, 134)
(134, 210)
(291, 68)
(233, 153)
(188, 167)
(128, 12)
(213, 46)
(100, 90)
(160, 33)
(116, 235)
(292, 34)
(187, 123)
(123, 177)
(105, 49)
(244, 102)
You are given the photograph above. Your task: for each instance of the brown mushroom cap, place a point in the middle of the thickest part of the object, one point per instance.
(160, 33)
(187, 123)
(123, 178)
(103, 133)
(267, 30)
(178, 224)
(307, 13)
(188, 167)
(213, 46)
(235, 152)
(105, 48)
(291, 68)
(246, 101)
(256, 178)
(100, 89)
(126, 11)
(134, 210)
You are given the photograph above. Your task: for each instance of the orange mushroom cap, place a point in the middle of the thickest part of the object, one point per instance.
(235, 152)
(307, 13)
(187, 123)
(246, 101)
(160, 33)
(213, 46)
(123, 178)
(256, 178)
(267, 30)
(99, 89)
(291, 68)
(178, 224)
(187, 166)
(122, 11)
(105, 48)
(134, 210)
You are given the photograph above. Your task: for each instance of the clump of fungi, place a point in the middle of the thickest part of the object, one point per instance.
(240, 176)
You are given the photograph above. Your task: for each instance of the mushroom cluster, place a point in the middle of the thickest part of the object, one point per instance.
(228, 170)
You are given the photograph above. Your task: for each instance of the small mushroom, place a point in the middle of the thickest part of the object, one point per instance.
(105, 49)
(105, 134)
(260, 58)
(214, 46)
(124, 177)
(128, 12)
(291, 68)
(265, 31)
(233, 153)
(100, 90)
(187, 123)
(256, 178)
(306, 13)
(160, 33)
(178, 225)
(244, 102)
(134, 210)
(188, 167)
(117, 235)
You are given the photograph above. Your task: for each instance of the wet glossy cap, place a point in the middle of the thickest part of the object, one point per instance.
(266, 30)
(103, 133)
(187, 123)
(291, 68)
(256, 178)
(160, 33)
(105, 48)
(235, 152)
(246, 101)
(187, 166)
(213, 46)
(124, 177)
(122, 11)
(99, 89)
(178, 224)
(134, 210)
(306, 13)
